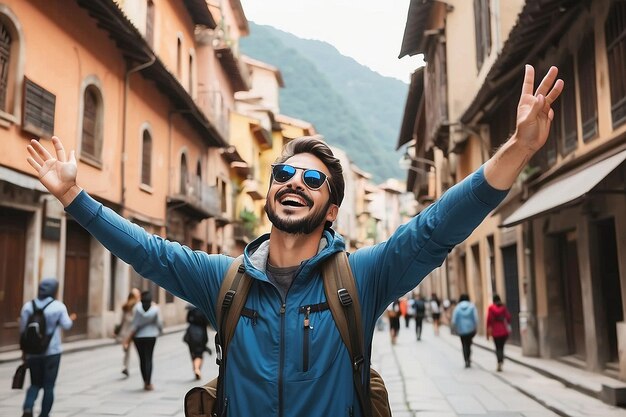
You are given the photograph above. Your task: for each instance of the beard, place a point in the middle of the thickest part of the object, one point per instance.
(302, 226)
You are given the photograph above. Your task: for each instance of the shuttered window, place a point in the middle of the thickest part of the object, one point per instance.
(184, 175)
(615, 30)
(150, 24)
(5, 60)
(568, 101)
(91, 141)
(38, 114)
(482, 28)
(146, 158)
(587, 83)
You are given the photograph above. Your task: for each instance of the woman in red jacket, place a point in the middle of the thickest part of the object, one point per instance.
(498, 327)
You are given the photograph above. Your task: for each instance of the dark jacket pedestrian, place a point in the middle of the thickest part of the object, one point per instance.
(145, 328)
(419, 306)
(197, 338)
(498, 327)
(44, 367)
(465, 323)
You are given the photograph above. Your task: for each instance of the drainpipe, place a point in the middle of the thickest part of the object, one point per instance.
(126, 88)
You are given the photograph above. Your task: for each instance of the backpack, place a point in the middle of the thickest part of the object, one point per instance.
(343, 302)
(420, 308)
(35, 339)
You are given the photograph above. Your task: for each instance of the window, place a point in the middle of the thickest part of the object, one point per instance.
(482, 27)
(615, 30)
(184, 175)
(39, 105)
(146, 158)
(91, 142)
(179, 57)
(587, 83)
(191, 77)
(5, 64)
(221, 187)
(150, 24)
(568, 105)
(502, 122)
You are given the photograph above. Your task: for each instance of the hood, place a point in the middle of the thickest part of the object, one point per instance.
(152, 312)
(498, 309)
(465, 307)
(47, 288)
(257, 252)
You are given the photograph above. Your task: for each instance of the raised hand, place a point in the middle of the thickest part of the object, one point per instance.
(58, 174)
(534, 111)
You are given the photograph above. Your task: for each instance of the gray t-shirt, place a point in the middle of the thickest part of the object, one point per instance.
(282, 277)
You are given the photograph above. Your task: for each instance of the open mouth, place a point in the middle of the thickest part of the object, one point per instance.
(292, 201)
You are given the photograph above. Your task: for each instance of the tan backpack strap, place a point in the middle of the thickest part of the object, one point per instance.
(343, 299)
(231, 299)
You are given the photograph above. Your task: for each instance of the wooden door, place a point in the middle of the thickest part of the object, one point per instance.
(511, 284)
(12, 260)
(76, 284)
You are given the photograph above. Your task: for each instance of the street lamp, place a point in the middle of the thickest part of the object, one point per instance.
(406, 162)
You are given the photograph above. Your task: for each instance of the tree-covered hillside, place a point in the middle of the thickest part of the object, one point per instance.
(354, 107)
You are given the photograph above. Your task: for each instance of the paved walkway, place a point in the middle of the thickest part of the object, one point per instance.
(425, 379)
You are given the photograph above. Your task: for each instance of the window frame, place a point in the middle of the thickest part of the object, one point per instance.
(96, 160)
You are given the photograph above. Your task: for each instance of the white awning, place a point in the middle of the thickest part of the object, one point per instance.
(21, 180)
(564, 191)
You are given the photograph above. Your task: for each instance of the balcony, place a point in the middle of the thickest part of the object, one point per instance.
(242, 234)
(215, 109)
(198, 200)
(251, 187)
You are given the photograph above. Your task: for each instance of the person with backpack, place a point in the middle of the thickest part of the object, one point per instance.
(41, 321)
(465, 322)
(286, 356)
(498, 327)
(419, 305)
(196, 336)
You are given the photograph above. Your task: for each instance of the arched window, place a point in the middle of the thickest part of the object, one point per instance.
(91, 142)
(179, 57)
(11, 65)
(191, 80)
(146, 158)
(184, 175)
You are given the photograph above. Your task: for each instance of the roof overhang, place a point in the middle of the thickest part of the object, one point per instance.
(416, 21)
(539, 26)
(565, 191)
(413, 108)
(134, 48)
(200, 13)
(230, 63)
(240, 17)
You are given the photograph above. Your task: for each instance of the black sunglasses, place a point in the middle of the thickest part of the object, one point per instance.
(312, 178)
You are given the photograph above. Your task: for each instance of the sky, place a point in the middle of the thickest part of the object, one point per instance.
(370, 31)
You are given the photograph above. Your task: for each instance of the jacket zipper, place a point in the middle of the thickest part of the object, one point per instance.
(305, 344)
(282, 360)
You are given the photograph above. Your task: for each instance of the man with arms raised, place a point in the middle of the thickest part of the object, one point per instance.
(269, 371)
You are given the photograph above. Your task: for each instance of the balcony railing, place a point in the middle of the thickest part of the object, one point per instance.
(241, 233)
(197, 199)
(212, 104)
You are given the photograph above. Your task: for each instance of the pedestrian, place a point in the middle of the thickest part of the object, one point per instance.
(146, 326)
(410, 309)
(123, 329)
(393, 314)
(265, 373)
(420, 312)
(465, 322)
(44, 367)
(404, 310)
(196, 336)
(435, 312)
(498, 327)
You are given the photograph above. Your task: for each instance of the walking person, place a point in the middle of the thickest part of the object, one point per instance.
(465, 322)
(435, 312)
(303, 200)
(123, 331)
(498, 327)
(44, 366)
(393, 314)
(196, 336)
(146, 326)
(419, 305)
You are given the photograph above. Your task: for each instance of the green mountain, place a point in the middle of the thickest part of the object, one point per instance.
(354, 107)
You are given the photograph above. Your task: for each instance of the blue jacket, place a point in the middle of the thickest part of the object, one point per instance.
(465, 318)
(267, 373)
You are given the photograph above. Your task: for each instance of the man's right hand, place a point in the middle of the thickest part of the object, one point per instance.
(58, 174)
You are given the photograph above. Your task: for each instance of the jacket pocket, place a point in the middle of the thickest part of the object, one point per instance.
(307, 328)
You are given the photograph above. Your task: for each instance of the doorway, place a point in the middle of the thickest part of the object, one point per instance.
(572, 295)
(76, 283)
(511, 286)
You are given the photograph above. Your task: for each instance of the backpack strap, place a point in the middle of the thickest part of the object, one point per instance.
(343, 300)
(230, 301)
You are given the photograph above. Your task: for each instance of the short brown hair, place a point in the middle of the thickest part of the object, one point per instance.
(316, 146)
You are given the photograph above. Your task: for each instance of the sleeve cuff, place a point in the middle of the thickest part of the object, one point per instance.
(485, 192)
(84, 208)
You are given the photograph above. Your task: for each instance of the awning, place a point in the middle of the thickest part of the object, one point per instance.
(21, 180)
(564, 191)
